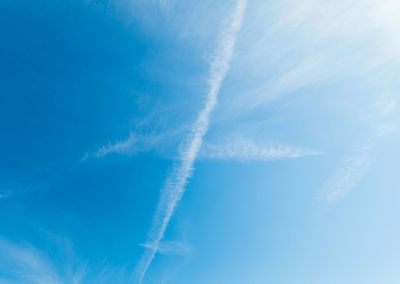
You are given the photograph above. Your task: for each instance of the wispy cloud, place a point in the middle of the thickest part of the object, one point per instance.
(26, 265)
(350, 174)
(134, 144)
(246, 149)
(140, 139)
(290, 45)
(170, 247)
(30, 183)
(174, 187)
(128, 145)
(239, 149)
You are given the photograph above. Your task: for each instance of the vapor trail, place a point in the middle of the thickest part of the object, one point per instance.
(174, 187)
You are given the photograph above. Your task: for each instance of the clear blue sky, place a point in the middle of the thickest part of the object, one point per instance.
(214, 141)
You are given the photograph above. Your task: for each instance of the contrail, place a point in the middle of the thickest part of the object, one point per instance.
(174, 187)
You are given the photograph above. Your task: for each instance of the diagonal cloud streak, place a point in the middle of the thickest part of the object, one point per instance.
(174, 187)
(350, 175)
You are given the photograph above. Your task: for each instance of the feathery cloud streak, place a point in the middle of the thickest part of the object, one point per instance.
(170, 247)
(350, 175)
(174, 187)
(355, 168)
(23, 263)
(248, 150)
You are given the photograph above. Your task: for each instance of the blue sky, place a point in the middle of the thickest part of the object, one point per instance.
(174, 141)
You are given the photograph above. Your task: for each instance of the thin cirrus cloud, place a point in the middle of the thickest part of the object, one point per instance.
(350, 174)
(170, 247)
(32, 182)
(240, 149)
(174, 187)
(133, 144)
(354, 168)
(248, 150)
(25, 264)
(301, 53)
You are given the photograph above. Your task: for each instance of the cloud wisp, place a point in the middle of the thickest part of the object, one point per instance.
(170, 247)
(248, 150)
(26, 264)
(57, 263)
(133, 144)
(354, 169)
(351, 173)
(174, 187)
(289, 46)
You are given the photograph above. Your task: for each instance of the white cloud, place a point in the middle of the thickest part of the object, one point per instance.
(170, 247)
(26, 265)
(354, 168)
(122, 146)
(350, 174)
(246, 149)
(174, 187)
(9, 188)
(135, 143)
(288, 45)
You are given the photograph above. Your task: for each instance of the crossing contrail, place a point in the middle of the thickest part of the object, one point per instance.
(174, 187)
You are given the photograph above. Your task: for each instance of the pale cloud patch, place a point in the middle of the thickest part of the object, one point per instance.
(134, 144)
(170, 247)
(353, 169)
(385, 17)
(350, 174)
(248, 150)
(26, 264)
(288, 45)
(33, 182)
